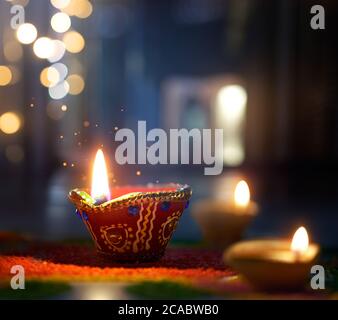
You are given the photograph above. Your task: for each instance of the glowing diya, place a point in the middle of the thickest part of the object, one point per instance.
(274, 264)
(223, 222)
(131, 223)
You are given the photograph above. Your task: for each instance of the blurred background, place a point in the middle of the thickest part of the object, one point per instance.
(79, 70)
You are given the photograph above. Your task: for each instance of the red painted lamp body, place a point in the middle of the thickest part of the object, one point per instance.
(137, 224)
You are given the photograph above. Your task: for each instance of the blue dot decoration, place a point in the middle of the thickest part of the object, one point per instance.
(187, 204)
(85, 216)
(133, 210)
(78, 213)
(165, 206)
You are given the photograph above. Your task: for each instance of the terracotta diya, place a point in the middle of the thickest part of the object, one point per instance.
(223, 222)
(137, 222)
(274, 264)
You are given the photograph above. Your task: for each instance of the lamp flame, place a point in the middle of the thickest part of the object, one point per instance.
(100, 185)
(242, 194)
(300, 241)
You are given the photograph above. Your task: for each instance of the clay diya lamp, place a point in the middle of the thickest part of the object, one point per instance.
(224, 222)
(274, 264)
(136, 223)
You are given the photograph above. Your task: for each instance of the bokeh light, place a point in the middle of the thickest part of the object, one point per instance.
(230, 116)
(60, 22)
(10, 122)
(59, 50)
(62, 69)
(84, 10)
(26, 33)
(54, 111)
(13, 51)
(14, 153)
(5, 75)
(232, 99)
(76, 84)
(49, 77)
(59, 91)
(73, 41)
(80, 8)
(43, 48)
(60, 4)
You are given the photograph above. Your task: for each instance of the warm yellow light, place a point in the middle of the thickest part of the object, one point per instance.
(242, 194)
(26, 33)
(49, 77)
(60, 22)
(76, 84)
(230, 116)
(84, 10)
(5, 75)
(80, 8)
(43, 48)
(10, 123)
(73, 41)
(300, 241)
(60, 4)
(232, 100)
(100, 185)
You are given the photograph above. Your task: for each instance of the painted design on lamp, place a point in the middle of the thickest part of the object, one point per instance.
(144, 234)
(117, 237)
(168, 227)
(131, 223)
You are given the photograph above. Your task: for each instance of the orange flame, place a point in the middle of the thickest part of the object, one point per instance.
(300, 241)
(242, 194)
(100, 185)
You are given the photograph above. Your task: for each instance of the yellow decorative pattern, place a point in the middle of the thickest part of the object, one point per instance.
(85, 202)
(117, 237)
(145, 222)
(151, 226)
(137, 240)
(168, 227)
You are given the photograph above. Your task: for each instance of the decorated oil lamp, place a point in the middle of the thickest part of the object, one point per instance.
(131, 223)
(274, 264)
(223, 221)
